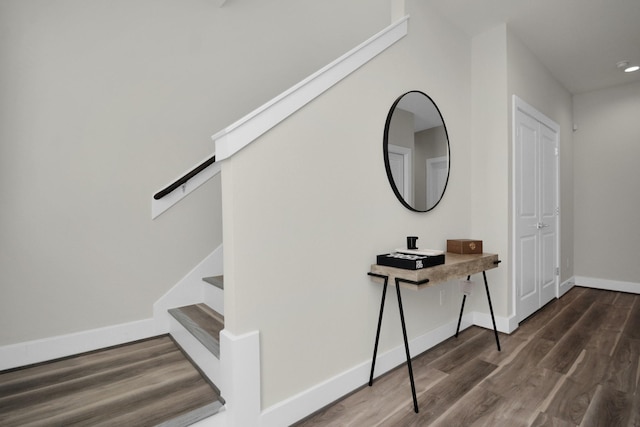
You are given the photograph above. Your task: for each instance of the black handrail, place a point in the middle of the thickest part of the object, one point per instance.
(183, 180)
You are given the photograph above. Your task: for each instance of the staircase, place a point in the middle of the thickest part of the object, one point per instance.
(196, 329)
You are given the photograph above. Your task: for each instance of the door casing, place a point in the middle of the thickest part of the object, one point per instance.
(404, 159)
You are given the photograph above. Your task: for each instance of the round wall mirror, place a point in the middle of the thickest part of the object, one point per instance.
(416, 151)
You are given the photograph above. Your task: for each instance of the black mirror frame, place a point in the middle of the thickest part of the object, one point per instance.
(385, 152)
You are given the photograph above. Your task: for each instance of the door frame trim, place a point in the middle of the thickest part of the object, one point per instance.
(519, 104)
(407, 160)
(430, 171)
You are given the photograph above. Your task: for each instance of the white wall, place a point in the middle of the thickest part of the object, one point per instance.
(607, 200)
(504, 66)
(534, 84)
(308, 206)
(489, 163)
(105, 102)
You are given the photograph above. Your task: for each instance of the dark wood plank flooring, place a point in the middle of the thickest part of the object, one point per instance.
(140, 384)
(573, 363)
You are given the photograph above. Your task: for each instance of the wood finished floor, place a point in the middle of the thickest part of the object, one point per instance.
(574, 363)
(141, 384)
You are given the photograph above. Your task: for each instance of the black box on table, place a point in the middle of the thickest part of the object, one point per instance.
(409, 261)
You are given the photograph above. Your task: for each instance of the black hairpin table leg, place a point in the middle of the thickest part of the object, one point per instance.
(406, 348)
(493, 319)
(375, 347)
(464, 298)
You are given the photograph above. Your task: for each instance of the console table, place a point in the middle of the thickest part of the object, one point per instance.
(454, 267)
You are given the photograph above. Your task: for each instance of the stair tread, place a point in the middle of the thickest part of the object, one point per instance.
(217, 281)
(203, 323)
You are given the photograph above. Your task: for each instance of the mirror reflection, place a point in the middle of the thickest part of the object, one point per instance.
(416, 151)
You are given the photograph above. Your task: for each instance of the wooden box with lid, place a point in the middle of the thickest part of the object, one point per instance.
(464, 246)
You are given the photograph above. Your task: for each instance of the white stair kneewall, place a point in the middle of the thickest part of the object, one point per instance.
(191, 290)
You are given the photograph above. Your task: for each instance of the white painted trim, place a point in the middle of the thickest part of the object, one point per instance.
(213, 296)
(609, 285)
(431, 175)
(307, 402)
(189, 290)
(520, 104)
(217, 420)
(159, 206)
(27, 353)
(240, 377)
(566, 286)
(504, 324)
(407, 166)
(241, 133)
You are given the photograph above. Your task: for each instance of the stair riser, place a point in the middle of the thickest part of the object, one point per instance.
(203, 358)
(214, 298)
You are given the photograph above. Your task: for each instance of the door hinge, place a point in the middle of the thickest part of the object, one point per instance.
(557, 210)
(557, 152)
(557, 271)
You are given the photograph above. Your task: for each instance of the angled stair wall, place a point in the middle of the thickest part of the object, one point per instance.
(192, 290)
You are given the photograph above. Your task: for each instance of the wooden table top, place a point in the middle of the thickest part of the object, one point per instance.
(455, 266)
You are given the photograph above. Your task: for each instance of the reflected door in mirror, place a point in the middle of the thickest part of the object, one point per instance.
(400, 162)
(437, 175)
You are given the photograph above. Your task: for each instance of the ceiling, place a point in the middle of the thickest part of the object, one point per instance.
(579, 41)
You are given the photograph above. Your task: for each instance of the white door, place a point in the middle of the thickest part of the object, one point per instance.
(437, 174)
(536, 209)
(400, 164)
(549, 215)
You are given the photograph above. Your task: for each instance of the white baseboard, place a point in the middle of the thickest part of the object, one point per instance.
(566, 286)
(239, 381)
(307, 402)
(503, 324)
(240, 372)
(30, 352)
(609, 285)
(189, 290)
